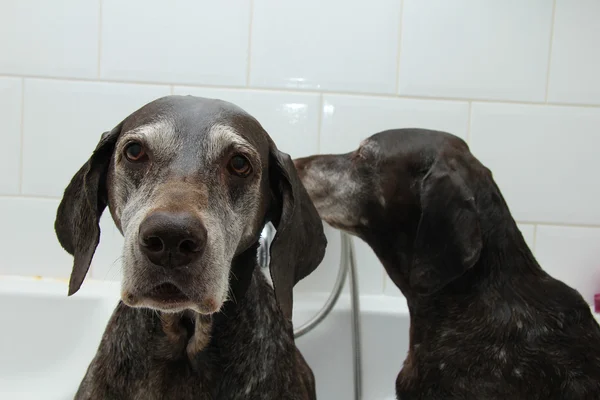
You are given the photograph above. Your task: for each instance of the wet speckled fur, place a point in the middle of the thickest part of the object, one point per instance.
(251, 355)
(487, 322)
(233, 339)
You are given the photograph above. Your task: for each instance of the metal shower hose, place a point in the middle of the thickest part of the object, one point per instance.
(347, 263)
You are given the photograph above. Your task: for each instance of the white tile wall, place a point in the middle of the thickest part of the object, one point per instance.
(63, 122)
(575, 62)
(544, 159)
(347, 120)
(529, 232)
(49, 38)
(182, 41)
(27, 242)
(484, 49)
(343, 45)
(320, 76)
(10, 129)
(571, 255)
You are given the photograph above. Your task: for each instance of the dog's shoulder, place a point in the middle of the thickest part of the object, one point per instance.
(531, 339)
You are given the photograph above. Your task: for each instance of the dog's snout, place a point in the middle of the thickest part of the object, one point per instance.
(172, 239)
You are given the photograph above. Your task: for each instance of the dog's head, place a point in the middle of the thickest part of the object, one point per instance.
(410, 194)
(190, 183)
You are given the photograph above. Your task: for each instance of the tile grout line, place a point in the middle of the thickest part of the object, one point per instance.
(399, 46)
(29, 197)
(550, 50)
(302, 91)
(559, 224)
(22, 136)
(249, 58)
(99, 37)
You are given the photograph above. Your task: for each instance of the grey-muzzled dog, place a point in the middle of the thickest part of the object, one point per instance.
(190, 183)
(487, 322)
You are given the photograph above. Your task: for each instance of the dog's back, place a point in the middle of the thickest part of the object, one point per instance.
(523, 337)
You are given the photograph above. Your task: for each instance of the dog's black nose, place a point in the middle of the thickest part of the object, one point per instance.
(172, 239)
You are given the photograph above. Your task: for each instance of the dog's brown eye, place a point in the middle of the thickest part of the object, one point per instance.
(135, 152)
(240, 166)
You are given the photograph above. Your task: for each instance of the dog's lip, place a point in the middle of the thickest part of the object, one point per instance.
(167, 292)
(168, 297)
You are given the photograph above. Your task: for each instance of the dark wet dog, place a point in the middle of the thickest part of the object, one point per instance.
(190, 183)
(487, 322)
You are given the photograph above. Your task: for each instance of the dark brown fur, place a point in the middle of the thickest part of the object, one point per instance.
(246, 349)
(487, 322)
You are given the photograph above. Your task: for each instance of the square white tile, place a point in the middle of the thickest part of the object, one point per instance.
(543, 158)
(341, 45)
(181, 41)
(571, 254)
(483, 49)
(291, 119)
(49, 38)
(10, 133)
(347, 120)
(63, 121)
(575, 59)
(27, 241)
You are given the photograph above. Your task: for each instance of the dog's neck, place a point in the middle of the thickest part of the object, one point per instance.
(195, 329)
(505, 257)
(495, 286)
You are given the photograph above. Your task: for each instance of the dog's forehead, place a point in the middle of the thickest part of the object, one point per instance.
(195, 120)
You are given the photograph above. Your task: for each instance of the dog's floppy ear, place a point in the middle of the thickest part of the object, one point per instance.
(299, 243)
(448, 240)
(78, 216)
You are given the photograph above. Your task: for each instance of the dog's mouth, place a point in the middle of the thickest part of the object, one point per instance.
(167, 293)
(168, 297)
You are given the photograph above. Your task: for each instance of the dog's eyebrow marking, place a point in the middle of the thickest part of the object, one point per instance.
(160, 134)
(222, 136)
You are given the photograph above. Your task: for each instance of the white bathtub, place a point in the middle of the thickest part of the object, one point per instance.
(48, 339)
